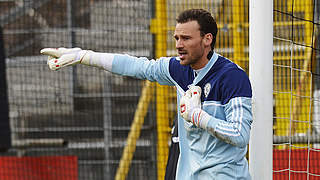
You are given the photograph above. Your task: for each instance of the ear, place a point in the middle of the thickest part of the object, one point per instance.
(207, 39)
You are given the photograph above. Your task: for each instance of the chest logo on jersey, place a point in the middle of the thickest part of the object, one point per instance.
(207, 89)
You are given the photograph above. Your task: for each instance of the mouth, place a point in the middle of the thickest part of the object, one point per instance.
(182, 54)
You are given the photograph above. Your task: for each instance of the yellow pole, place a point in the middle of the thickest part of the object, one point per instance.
(127, 154)
(238, 32)
(158, 27)
(163, 134)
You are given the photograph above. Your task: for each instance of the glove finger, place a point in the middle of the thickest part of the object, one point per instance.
(196, 95)
(195, 91)
(58, 52)
(52, 64)
(183, 107)
(188, 93)
(65, 60)
(182, 104)
(54, 52)
(50, 57)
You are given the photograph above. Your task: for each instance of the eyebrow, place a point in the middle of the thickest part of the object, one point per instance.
(175, 36)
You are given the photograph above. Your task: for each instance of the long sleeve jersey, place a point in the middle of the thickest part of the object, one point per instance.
(218, 150)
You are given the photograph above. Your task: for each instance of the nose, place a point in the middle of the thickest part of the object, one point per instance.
(179, 44)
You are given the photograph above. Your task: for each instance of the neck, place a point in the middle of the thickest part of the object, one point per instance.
(210, 54)
(203, 61)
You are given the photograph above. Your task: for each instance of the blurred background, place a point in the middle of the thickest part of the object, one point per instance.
(85, 123)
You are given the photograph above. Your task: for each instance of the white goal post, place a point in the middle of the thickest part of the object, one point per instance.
(261, 76)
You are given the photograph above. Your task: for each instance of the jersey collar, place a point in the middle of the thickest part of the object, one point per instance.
(206, 69)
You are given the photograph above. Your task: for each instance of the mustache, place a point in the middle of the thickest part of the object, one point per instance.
(182, 51)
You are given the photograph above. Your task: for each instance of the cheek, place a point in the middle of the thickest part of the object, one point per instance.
(196, 47)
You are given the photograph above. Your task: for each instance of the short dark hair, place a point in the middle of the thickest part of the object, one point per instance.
(205, 20)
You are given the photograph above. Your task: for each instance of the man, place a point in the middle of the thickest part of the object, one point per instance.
(213, 93)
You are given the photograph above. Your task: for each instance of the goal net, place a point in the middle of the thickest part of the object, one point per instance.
(296, 90)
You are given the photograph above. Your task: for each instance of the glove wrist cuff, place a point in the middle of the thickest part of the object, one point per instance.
(84, 57)
(200, 118)
(100, 60)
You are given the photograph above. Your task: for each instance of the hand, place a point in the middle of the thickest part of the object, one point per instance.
(61, 57)
(189, 102)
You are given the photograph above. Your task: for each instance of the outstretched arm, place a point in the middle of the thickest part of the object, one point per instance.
(121, 64)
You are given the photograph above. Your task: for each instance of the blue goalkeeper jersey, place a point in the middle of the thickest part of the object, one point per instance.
(218, 151)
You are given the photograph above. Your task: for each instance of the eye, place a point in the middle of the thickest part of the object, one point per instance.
(186, 38)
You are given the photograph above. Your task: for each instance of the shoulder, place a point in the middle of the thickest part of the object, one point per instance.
(225, 64)
(229, 69)
(234, 81)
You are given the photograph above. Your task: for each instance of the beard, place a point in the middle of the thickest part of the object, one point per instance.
(191, 58)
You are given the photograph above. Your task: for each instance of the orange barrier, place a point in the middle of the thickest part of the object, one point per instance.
(39, 168)
(298, 164)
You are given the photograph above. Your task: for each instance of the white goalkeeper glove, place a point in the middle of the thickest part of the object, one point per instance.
(61, 57)
(190, 107)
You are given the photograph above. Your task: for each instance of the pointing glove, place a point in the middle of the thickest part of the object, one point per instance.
(61, 57)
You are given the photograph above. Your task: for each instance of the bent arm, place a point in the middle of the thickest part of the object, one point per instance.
(235, 129)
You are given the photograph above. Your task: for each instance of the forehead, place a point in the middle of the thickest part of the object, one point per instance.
(188, 28)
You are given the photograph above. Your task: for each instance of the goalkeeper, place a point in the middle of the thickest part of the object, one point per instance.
(214, 96)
